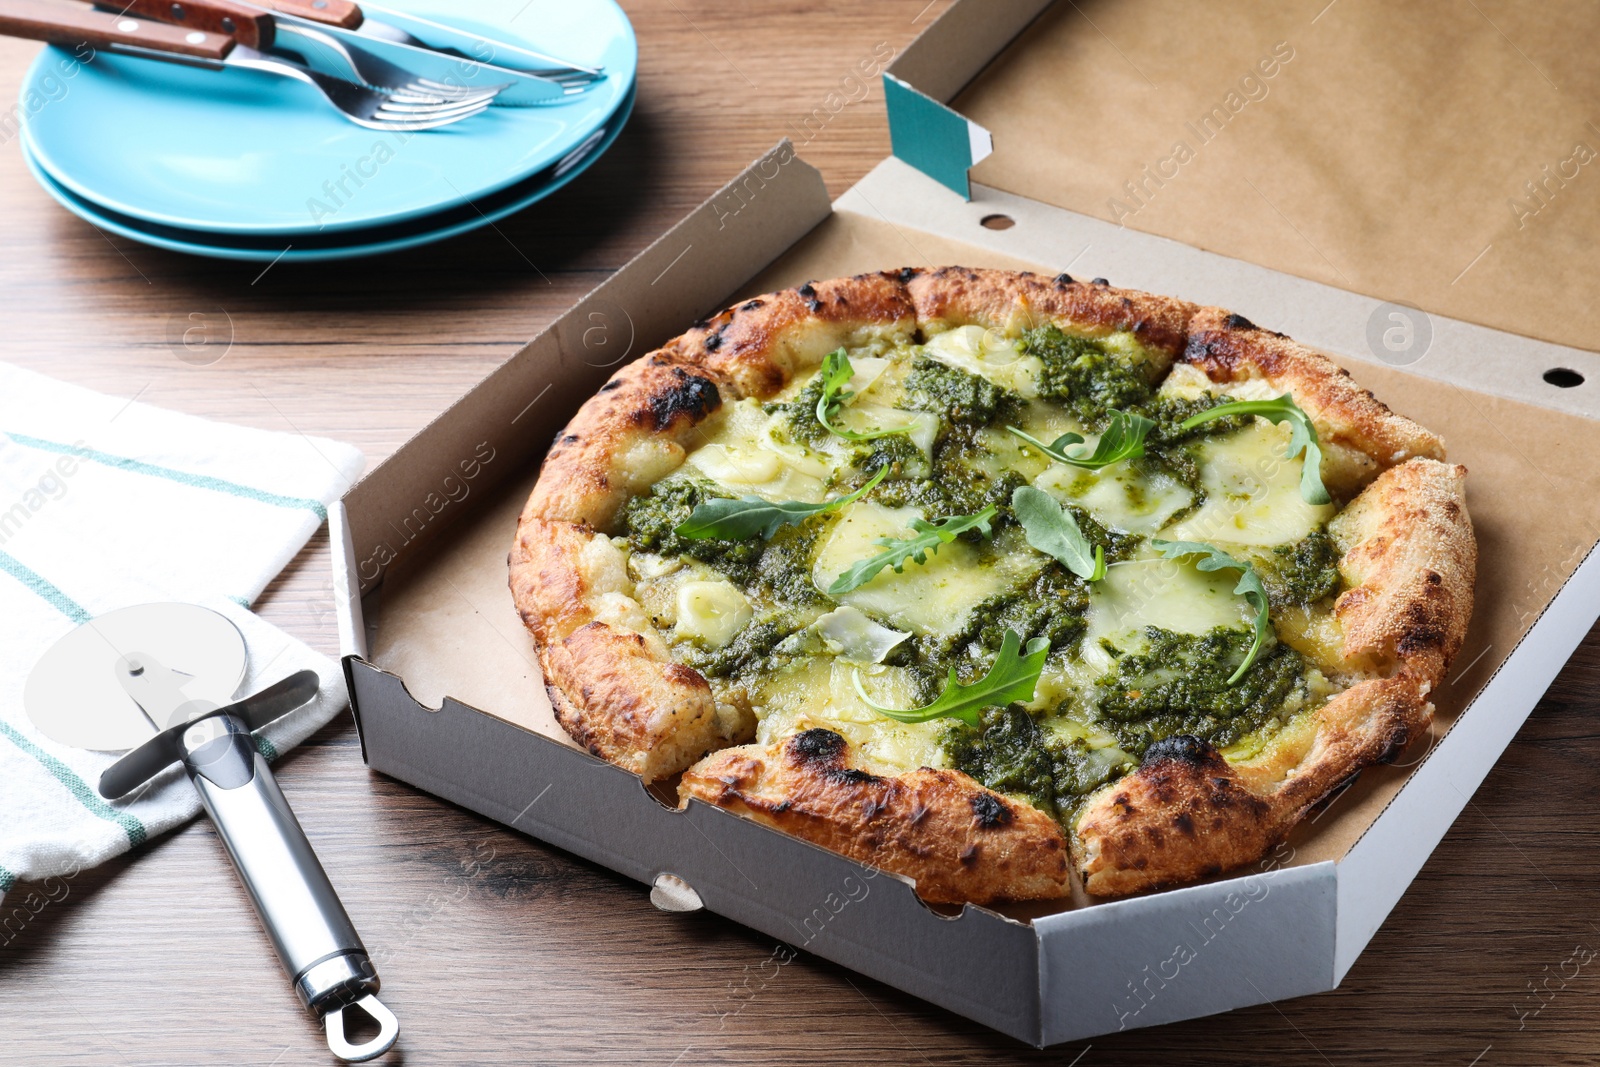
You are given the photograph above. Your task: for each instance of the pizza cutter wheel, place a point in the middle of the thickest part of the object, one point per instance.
(159, 680)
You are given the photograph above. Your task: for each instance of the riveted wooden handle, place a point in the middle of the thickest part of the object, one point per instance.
(341, 13)
(250, 26)
(73, 24)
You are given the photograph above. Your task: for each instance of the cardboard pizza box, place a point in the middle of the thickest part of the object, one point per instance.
(448, 696)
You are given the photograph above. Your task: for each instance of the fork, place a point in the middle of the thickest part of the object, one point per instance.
(380, 73)
(71, 25)
(346, 15)
(256, 29)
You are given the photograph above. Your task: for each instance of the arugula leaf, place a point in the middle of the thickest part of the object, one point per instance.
(1249, 587)
(1123, 439)
(1281, 409)
(1051, 529)
(930, 537)
(1012, 678)
(751, 516)
(836, 374)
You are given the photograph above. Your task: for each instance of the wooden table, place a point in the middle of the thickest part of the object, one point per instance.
(497, 949)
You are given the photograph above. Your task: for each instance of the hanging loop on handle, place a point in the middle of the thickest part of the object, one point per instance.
(388, 1030)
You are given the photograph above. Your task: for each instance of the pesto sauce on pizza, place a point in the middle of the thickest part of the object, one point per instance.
(1143, 654)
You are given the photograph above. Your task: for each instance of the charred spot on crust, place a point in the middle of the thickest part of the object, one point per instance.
(615, 383)
(990, 811)
(968, 855)
(570, 439)
(1184, 824)
(907, 273)
(1239, 322)
(1180, 747)
(1099, 281)
(1394, 745)
(1423, 630)
(809, 292)
(750, 305)
(689, 395)
(817, 745)
(713, 341)
(851, 776)
(1063, 278)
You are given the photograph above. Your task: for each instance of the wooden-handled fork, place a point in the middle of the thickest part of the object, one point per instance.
(206, 41)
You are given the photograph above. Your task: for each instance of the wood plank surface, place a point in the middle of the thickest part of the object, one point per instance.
(497, 949)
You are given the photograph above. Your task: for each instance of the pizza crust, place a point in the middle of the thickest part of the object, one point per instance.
(956, 839)
(1185, 812)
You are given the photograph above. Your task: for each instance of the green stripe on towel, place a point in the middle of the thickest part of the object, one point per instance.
(7, 880)
(198, 481)
(77, 786)
(44, 588)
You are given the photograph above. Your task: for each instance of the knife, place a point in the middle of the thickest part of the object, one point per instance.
(341, 53)
(401, 28)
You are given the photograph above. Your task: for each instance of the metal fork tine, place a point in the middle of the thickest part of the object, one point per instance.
(422, 85)
(411, 112)
(394, 122)
(418, 96)
(486, 92)
(409, 108)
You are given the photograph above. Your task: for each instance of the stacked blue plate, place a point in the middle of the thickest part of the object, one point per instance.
(242, 165)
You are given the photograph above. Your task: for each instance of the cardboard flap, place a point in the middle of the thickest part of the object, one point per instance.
(497, 434)
(1441, 158)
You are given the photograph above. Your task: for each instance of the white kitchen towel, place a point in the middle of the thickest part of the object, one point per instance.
(106, 503)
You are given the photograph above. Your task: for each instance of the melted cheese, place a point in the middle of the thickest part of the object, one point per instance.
(1252, 491)
(931, 597)
(743, 453)
(988, 354)
(850, 633)
(1316, 635)
(1170, 594)
(822, 694)
(712, 612)
(1116, 497)
(865, 417)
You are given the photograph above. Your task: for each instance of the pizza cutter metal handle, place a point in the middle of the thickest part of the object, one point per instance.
(308, 926)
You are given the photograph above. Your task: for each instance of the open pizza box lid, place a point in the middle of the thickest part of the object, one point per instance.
(445, 683)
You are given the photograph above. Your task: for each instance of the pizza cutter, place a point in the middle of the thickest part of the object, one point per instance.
(158, 681)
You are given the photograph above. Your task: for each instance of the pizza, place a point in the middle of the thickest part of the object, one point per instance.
(994, 580)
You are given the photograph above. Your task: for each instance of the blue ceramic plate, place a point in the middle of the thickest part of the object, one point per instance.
(236, 152)
(349, 244)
